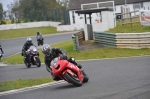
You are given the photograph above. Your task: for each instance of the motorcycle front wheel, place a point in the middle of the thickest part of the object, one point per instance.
(37, 62)
(74, 80)
(86, 78)
(27, 64)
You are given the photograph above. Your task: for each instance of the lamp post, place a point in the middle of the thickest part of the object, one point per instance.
(125, 3)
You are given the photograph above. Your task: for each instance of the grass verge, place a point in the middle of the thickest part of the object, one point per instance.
(127, 28)
(15, 33)
(9, 85)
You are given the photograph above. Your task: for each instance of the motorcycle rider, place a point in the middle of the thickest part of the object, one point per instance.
(51, 53)
(2, 52)
(39, 37)
(26, 46)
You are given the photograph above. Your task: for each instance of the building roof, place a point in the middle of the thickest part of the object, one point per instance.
(76, 4)
(93, 10)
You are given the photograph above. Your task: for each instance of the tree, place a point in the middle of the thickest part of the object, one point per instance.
(16, 9)
(1, 11)
(34, 10)
(9, 12)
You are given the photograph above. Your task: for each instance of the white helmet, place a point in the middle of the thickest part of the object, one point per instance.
(29, 40)
(46, 49)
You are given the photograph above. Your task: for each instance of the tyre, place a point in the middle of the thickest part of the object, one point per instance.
(38, 43)
(28, 65)
(86, 78)
(74, 80)
(42, 42)
(37, 62)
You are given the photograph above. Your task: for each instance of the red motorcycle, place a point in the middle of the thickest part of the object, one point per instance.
(68, 71)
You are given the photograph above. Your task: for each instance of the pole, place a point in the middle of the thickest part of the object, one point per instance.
(125, 2)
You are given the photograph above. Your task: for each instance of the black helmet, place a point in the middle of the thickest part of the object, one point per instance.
(37, 33)
(46, 49)
(29, 40)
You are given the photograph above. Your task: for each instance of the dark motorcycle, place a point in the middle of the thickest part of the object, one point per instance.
(40, 40)
(68, 71)
(1, 55)
(32, 57)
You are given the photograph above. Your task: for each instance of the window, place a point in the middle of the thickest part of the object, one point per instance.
(142, 5)
(136, 6)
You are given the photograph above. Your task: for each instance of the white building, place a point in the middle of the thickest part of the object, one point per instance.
(75, 5)
(77, 21)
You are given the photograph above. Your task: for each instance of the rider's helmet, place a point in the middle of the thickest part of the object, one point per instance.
(29, 40)
(46, 49)
(38, 33)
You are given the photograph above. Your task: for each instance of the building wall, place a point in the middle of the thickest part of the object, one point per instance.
(29, 25)
(146, 6)
(79, 19)
(95, 16)
(107, 21)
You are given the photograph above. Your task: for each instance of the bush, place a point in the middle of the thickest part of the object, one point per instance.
(12, 21)
(2, 22)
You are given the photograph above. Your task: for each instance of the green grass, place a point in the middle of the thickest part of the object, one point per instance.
(127, 28)
(15, 33)
(106, 52)
(99, 53)
(10, 85)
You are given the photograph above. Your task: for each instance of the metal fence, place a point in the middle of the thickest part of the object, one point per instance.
(105, 39)
(60, 15)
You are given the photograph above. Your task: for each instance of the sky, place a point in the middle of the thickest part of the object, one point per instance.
(5, 3)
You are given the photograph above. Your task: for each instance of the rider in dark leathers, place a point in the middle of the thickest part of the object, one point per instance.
(51, 53)
(26, 46)
(2, 52)
(39, 37)
(1, 49)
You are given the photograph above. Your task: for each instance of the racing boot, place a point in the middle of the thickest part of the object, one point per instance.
(56, 78)
(72, 60)
(79, 66)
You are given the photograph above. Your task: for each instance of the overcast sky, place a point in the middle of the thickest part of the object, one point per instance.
(5, 2)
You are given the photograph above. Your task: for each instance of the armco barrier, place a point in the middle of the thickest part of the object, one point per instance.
(123, 40)
(105, 39)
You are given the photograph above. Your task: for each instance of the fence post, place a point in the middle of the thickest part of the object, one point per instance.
(75, 42)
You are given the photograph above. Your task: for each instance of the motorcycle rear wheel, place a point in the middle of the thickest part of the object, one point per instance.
(72, 80)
